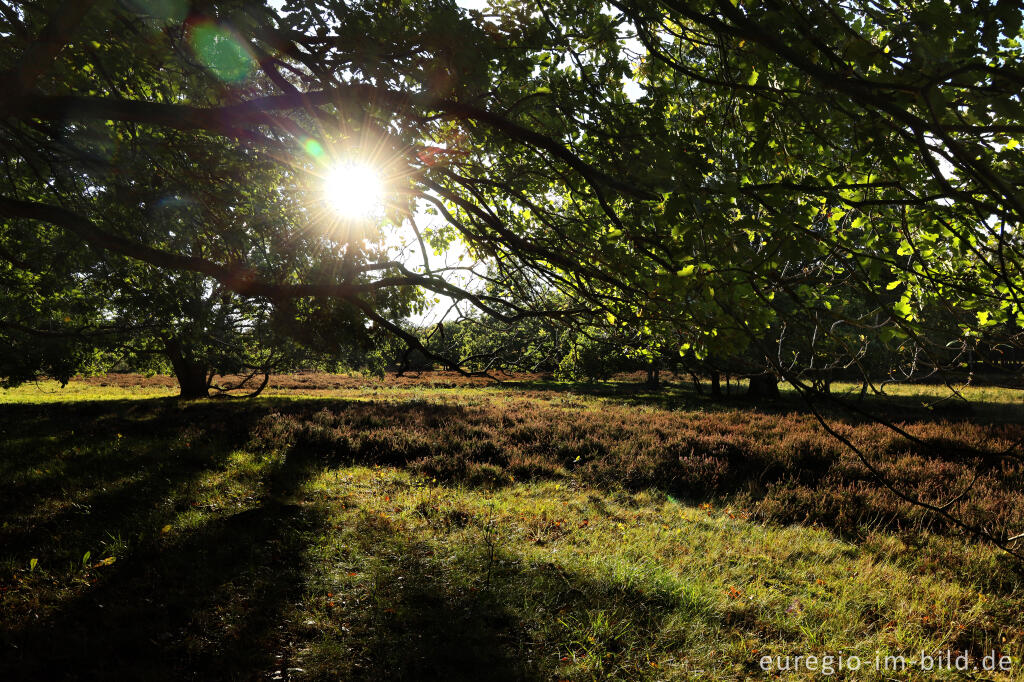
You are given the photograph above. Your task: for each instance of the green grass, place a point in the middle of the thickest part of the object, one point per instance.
(46, 391)
(141, 538)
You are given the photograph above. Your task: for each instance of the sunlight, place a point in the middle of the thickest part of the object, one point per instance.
(354, 190)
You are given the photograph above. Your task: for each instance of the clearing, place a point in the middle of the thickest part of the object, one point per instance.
(440, 528)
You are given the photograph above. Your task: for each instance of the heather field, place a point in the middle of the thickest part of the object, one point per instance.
(433, 527)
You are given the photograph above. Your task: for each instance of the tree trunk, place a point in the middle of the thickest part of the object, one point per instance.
(763, 386)
(863, 390)
(653, 377)
(696, 383)
(716, 385)
(192, 377)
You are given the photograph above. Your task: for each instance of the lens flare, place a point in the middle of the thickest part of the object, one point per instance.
(354, 190)
(221, 52)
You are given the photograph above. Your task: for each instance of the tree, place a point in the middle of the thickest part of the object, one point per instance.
(848, 169)
(786, 111)
(172, 192)
(870, 139)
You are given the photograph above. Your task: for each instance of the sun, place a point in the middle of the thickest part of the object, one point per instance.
(354, 190)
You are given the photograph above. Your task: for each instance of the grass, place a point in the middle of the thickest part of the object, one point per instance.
(424, 529)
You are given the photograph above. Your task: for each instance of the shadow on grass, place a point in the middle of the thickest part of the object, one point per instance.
(210, 606)
(203, 602)
(214, 600)
(218, 599)
(438, 603)
(103, 467)
(422, 623)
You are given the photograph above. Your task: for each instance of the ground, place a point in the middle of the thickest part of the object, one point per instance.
(430, 527)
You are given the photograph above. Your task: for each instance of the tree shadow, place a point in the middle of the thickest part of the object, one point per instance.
(211, 600)
(207, 607)
(217, 600)
(203, 602)
(424, 626)
(499, 616)
(78, 471)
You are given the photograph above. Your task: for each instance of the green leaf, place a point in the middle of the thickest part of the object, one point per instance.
(892, 285)
(902, 308)
(686, 271)
(752, 80)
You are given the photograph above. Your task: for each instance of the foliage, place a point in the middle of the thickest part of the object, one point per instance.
(785, 186)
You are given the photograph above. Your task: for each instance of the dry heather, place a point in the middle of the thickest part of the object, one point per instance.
(320, 381)
(781, 467)
(777, 463)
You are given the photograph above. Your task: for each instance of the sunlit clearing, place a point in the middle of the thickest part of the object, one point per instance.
(354, 190)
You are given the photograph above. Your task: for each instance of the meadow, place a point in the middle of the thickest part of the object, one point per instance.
(437, 527)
